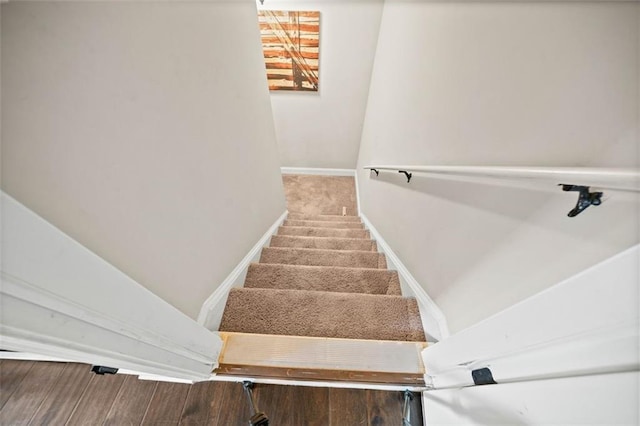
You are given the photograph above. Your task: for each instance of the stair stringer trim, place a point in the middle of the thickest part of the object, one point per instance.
(316, 171)
(212, 309)
(433, 320)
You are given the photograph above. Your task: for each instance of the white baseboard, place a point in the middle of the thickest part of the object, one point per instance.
(212, 309)
(316, 171)
(27, 356)
(433, 320)
(355, 175)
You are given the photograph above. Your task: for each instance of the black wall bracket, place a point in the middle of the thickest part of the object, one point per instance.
(377, 172)
(483, 376)
(586, 198)
(102, 370)
(407, 174)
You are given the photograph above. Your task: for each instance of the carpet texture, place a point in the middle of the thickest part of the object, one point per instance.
(323, 243)
(323, 232)
(322, 275)
(320, 195)
(322, 224)
(323, 278)
(320, 314)
(316, 257)
(323, 217)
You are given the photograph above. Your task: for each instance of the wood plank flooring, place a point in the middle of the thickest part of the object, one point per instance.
(49, 393)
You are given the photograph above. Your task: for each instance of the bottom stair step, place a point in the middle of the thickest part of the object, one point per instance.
(321, 359)
(322, 314)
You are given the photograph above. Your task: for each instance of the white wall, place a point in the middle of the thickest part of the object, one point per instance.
(535, 84)
(555, 361)
(61, 300)
(322, 129)
(609, 399)
(144, 131)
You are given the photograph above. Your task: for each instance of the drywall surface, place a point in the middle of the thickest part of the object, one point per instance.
(143, 131)
(323, 129)
(597, 399)
(577, 363)
(530, 84)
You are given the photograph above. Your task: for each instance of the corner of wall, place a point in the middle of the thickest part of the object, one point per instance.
(212, 309)
(433, 320)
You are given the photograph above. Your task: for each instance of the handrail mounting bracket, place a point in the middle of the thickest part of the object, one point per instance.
(407, 174)
(586, 198)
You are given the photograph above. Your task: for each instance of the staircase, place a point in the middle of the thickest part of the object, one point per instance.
(321, 281)
(322, 276)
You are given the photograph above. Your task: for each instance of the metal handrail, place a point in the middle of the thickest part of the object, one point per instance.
(576, 179)
(606, 178)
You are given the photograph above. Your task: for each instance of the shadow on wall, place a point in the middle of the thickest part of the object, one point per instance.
(463, 237)
(520, 200)
(482, 194)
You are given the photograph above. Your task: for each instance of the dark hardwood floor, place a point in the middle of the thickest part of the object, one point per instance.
(50, 393)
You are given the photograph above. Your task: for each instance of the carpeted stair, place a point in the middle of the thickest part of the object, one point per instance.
(327, 243)
(306, 231)
(322, 276)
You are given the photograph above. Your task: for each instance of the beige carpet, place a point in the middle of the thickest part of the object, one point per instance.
(324, 314)
(323, 243)
(323, 278)
(323, 232)
(320, 195)
(322, 275)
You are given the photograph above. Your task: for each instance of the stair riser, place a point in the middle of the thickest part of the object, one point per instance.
(323, 278)
(323, 243)
(349, 259)
(316, 224)
(323, 232)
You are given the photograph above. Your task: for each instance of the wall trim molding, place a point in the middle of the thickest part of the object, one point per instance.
(211, 312)
(433, 320)
(316, 171)
(355, 175)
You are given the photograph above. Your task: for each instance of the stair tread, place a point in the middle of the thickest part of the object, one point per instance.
(323, 257)
(323, 232)
(323, 278)
(329, 243)
(323, 224)
(322, 314)
(323, 217)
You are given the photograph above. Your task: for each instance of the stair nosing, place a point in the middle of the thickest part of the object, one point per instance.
(334, 294)
(324, 266)
(323, 221)
(323, 227)
(323, 215)
(323, 250)
(311, 237)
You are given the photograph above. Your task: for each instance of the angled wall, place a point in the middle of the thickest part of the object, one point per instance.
(322, 129)
(522, 84)
(144, 131)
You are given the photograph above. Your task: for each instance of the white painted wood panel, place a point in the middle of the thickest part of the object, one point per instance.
(567, 355)
(62, 300)
(322, 353)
